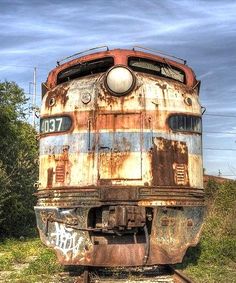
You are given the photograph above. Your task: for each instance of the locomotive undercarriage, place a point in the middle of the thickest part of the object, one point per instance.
(124, 232)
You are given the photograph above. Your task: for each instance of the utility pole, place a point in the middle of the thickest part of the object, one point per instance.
(34, 97)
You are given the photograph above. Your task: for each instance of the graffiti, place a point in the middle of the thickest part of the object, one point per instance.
(66, 240)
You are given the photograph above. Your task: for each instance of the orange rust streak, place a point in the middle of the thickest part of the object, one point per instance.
(125, 122)
(60, 94)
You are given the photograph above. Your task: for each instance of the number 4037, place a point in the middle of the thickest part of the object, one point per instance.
(51, 125)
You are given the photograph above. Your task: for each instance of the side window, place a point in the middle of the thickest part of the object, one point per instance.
(185, 123)
(55, 124)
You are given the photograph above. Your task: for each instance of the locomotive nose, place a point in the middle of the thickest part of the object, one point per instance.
(119, 80)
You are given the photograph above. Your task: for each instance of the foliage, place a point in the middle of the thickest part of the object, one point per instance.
(18, 163)
(211, 190)
(214, 259)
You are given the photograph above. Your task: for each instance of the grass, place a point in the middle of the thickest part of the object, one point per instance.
(212, 261)
(27, 260)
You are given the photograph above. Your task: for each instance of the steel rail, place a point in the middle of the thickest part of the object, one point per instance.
(164, 274)
(179, 276)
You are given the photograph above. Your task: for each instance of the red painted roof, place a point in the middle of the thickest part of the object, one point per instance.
(120, 57)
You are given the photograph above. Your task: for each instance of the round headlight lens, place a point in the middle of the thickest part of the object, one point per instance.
(120, 80)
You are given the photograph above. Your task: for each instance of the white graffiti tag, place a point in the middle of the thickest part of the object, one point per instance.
(66, 240)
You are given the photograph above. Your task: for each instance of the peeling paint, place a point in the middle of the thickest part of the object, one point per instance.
(118, 174)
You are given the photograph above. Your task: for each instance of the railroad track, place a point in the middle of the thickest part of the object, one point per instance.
(163, 274)
(180, 277)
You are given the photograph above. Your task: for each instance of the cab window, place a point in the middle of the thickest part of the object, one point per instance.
(185, 123)
(84, 69)
(156, 68)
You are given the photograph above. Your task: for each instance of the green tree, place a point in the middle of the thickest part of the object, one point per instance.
(18, 163)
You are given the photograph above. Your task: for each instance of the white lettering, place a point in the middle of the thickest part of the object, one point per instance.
(59, 125)
(46, 126)
(52, 123)
(66, 239)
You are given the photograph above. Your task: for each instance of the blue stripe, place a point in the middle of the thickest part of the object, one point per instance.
(120, 141)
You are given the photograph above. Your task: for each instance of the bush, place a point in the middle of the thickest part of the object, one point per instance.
(18, 164)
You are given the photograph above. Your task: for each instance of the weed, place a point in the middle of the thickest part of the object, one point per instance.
(214, 259)
(45, 263)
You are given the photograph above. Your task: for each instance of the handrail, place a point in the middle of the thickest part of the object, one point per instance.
(81, 52)
(137, 47)
(161, 53)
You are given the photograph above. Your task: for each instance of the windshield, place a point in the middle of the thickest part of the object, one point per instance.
(85, 69)
(156, 68)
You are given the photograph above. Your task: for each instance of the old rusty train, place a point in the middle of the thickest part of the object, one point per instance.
(120, 159)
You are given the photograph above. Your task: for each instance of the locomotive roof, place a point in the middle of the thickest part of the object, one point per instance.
(120, 57)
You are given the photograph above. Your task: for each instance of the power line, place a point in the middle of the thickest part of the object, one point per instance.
(215, 148)
(24, 66)
(218, 132)
(214, 173)
(219, 115)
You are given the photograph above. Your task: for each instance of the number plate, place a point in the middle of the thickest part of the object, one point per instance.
(55, 124)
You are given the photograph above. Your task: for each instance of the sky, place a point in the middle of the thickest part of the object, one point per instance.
(38, 33)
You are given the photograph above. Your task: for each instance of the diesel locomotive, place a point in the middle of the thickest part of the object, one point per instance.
(121, 177)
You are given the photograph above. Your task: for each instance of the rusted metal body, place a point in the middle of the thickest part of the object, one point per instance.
(118, 186)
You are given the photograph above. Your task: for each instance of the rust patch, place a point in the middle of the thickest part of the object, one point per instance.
(118, 160)
(112, 163)
(118, 194)
(182, 88)
(165, 153)
(106, 96)
(149, 196)
(167, 221)
(50, 177)
(163, 87)
(59, 94)
(115, 152)
(119, 121)
(114, 255)
(189, 222)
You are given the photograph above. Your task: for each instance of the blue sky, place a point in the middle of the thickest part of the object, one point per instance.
(38, 33)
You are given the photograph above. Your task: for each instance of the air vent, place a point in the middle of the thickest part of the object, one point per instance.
(180, 174)
(60, 174)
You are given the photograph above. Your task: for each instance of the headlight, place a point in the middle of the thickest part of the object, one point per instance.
(119, 80)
